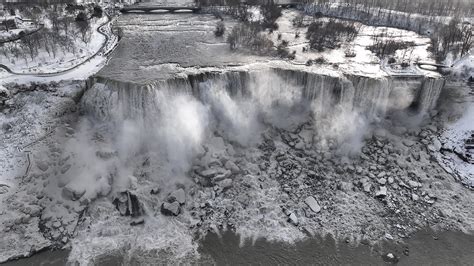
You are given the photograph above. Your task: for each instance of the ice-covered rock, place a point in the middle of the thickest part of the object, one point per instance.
(170, 208)
(312, 204)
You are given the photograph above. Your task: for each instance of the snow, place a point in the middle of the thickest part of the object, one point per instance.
(44, 62)
(365, 62)
(453, 138)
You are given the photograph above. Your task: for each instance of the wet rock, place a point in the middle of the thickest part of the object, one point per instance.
(382, 192)
(312, 204)
(178, 195)
(170, 208)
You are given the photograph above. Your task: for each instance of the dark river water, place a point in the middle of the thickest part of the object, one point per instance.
(424, 248)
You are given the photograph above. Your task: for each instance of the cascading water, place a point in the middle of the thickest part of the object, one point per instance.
(369, 97)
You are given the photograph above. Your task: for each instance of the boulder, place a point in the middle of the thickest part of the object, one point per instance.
(231, 166)
(177, 195)
(293, 219)
(170, 208)
(72, 193)
(382, 192)
(128, 204)
(43, 166)
(226, 183)
(312, 204)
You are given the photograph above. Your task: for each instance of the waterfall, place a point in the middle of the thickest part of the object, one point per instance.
(370, 97)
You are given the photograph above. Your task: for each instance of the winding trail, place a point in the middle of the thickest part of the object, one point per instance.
(101, 51)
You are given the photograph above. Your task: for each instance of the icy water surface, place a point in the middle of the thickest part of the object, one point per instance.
(425, 248)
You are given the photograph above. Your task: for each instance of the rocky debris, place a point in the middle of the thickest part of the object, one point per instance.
(312, 204)
(177, 195)
(128, 204)
(72, 193)
(170, 208)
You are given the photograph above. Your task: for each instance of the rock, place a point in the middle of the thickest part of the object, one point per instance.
(388, 236)
(56, 224)
(65, 168)
(105, 155)
(135, 223)
(437, 145)
(43, 166)
(221, 176)
(170, 208)
(414, 184)
(3, 188)
(225, 184)
(128, 204)
(390, 257)
(382, 192)
(155, 191)
(230, 165)
(71, 193)
(390, 180)
(408, 143)
(178, 195)
(414, 197)
(312, 204)
(367, 186)
(382, 181)
(293, 219)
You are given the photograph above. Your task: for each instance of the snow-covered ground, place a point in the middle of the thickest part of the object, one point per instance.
(453, 138)
(365, 62)
(45, 62)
